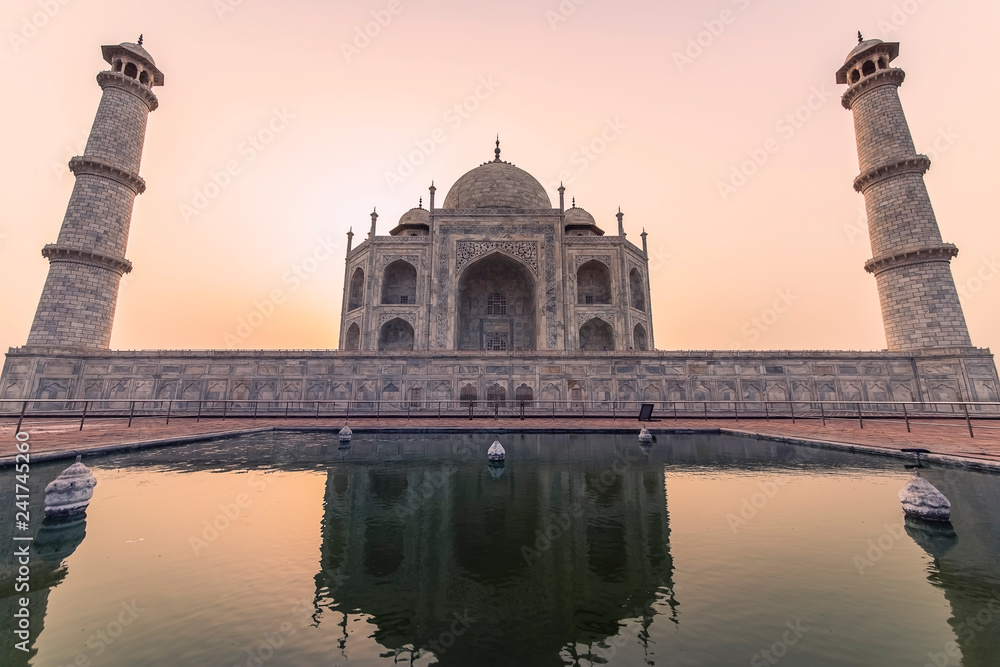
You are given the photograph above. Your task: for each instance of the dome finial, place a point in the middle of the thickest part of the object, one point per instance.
(574, 202)
(140, 40)
(497, 151)
(421, 204)
(860, 38)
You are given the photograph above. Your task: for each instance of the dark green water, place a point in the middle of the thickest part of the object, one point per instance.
(281, 549)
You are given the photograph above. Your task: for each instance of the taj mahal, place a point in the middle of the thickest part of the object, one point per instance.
(498, 292)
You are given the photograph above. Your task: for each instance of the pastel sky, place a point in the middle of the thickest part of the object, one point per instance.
(552, 78)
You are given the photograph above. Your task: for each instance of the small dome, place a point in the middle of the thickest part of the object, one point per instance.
(578, 216)
(861, 47)
(138, 50)
(497, 184)
(416, 216)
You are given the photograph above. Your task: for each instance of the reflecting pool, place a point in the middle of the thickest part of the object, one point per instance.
(287, 549)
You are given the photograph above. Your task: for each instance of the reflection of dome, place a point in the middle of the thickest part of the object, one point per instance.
(497, 184)
(415, 222)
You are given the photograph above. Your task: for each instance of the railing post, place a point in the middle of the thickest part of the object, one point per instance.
(767, 414)
(860, 420)
(706, 410)
(407, 410)
(286, 410)
(614, 410)
(317, 409)
(199, 411)
(170, 405)
(20, 420)
(522, 410)
(907, 418)
(131, 411)
(968, 422)
(736, 409)
(255, 403)
(378, 409)
(86, 403)
(791, 406)
(225, 403)
(675, 410)
(822, 413)
(439, 409)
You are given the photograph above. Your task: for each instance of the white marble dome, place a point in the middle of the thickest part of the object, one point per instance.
(497, 185)
(579, 216)
(416, 216)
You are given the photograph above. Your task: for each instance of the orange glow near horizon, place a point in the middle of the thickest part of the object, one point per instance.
(550, 77)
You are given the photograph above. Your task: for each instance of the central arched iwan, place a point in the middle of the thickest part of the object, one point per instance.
(496, 306)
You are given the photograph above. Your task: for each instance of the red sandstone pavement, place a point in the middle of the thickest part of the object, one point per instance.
(948, 439)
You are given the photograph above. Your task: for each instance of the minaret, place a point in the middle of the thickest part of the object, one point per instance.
(920, 306)
(87, 261)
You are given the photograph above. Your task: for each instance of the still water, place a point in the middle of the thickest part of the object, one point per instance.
(283, 549)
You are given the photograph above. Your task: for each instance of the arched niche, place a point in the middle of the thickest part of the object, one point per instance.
(356, 291)
(596, 335)
(396, 334)
(352, 341)
(496, 306)
(593, 283)
(399, 283)
(637, 291)
(639, 340)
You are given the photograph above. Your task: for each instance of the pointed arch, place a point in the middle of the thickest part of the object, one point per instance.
(356, 291)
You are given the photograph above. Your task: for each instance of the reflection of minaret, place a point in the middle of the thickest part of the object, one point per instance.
(87, 261)
(53, 544)
(967, 568)
(413, 547)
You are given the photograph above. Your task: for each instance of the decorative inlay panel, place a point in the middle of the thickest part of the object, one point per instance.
(408, 317)
(526, 251)
(583, 259)
(386, 260)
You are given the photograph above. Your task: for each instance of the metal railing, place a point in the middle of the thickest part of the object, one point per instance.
(957, 413)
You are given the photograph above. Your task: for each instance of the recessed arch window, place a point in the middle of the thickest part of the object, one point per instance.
(496, 304)
(131, 71)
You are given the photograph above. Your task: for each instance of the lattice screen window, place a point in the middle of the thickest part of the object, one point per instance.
(497, 342)
(496, 304)
(404, 299)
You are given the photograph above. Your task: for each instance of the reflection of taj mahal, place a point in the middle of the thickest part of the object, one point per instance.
(496, 268)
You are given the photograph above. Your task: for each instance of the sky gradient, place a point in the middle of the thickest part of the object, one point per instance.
(616, 99)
